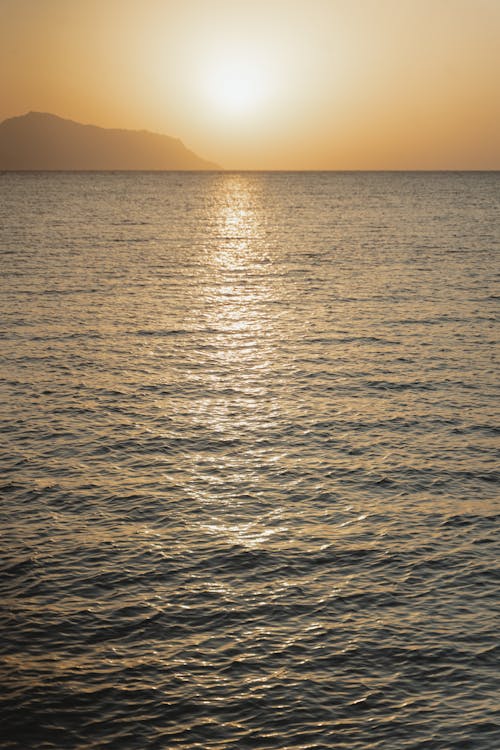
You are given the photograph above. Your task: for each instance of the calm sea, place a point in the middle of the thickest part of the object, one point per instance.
(248, 469)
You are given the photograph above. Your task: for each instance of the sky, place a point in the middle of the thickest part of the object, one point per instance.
(268, 84)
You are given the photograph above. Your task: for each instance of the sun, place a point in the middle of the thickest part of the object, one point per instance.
(237, 87)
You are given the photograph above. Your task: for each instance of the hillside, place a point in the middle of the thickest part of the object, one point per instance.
(40, 141)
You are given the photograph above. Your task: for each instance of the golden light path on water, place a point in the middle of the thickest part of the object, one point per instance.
(236, 299)
(244, 305)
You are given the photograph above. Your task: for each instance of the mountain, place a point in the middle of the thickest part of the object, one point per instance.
(40, 141)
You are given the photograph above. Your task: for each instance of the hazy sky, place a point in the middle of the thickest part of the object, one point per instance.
(269, 84)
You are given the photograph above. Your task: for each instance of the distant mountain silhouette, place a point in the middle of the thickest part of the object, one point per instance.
(40, 141)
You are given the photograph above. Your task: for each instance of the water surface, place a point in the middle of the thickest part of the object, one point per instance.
(249, 461)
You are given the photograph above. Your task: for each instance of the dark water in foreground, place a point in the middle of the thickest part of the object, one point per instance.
(249, 483)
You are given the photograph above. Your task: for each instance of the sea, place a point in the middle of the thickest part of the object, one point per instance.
(249, 462)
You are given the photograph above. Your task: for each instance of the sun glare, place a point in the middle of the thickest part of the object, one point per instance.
(236, 88)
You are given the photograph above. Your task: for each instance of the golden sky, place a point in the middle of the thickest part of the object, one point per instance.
(269, 84)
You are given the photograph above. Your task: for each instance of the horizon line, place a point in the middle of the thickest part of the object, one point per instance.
(239, 170)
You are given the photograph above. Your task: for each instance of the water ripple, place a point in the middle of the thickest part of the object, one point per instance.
(249, 474)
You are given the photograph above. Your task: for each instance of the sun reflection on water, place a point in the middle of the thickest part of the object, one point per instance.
(237, 223)
(236, 290)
